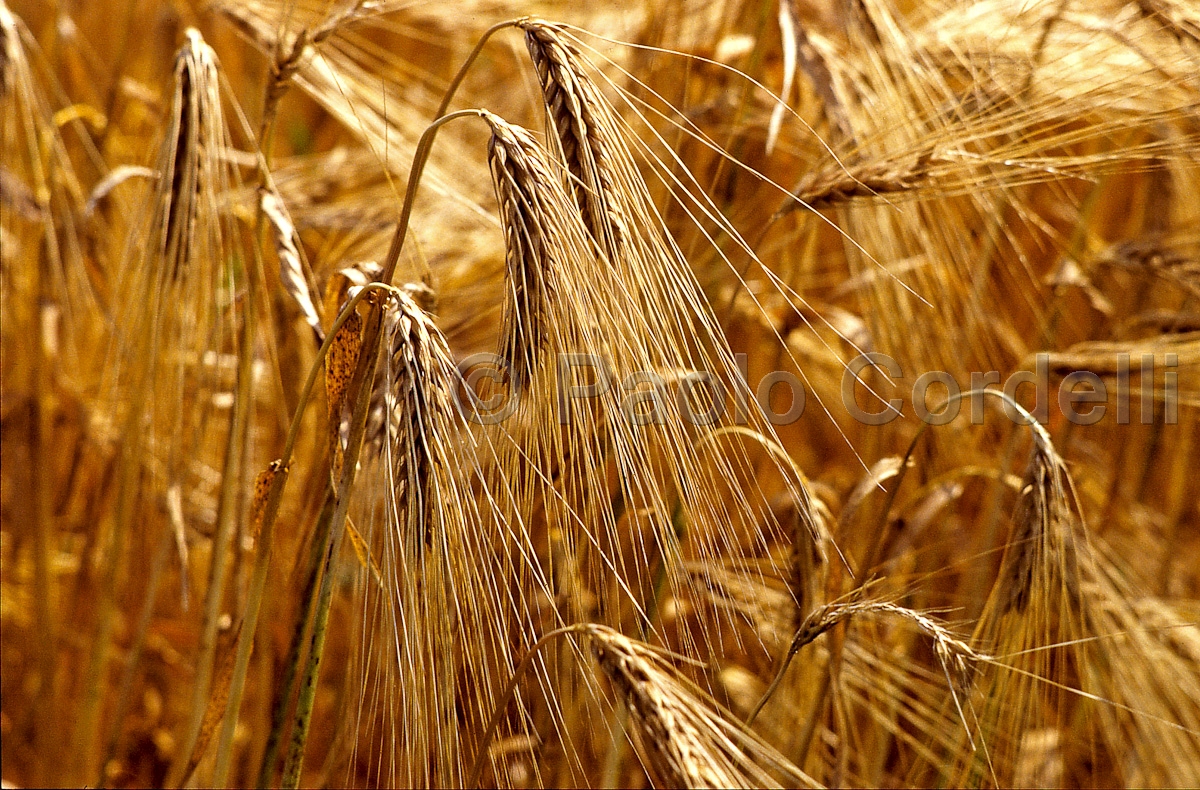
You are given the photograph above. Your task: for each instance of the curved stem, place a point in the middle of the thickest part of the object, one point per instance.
(420, 159)
(425, 144)
(287, 687)
(362, 384)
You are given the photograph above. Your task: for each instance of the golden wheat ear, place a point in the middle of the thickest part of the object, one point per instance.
(584, 132)
(451, 565)
(684, 739)
(538, 227)
(1064, 631)
(595, 150)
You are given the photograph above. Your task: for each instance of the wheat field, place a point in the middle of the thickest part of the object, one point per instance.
(699, 393)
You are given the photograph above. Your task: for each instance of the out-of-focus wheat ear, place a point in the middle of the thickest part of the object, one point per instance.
(197, 95)
(291, 269)
(41, 202)
(585, 130)
(534, 211)
(685, 739)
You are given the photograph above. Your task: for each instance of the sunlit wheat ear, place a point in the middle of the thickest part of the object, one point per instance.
(958, 659)
(538, 226)
(684, 739)
(423, 377)
(1066, 636)
(669, 314)
(384, 418)
(585, 131)
(1043, 539)
(445, 617)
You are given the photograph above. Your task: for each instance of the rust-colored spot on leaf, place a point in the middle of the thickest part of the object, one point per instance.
(262, 490)
(340, 364)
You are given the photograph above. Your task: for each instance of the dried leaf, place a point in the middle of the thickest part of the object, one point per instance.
(363, 554)
(340, 364)
(218, 698)
(114, 179)
(262, 489)
(291, 272)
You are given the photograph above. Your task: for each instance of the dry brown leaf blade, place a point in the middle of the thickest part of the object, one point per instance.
(219, 697)
(262, 491)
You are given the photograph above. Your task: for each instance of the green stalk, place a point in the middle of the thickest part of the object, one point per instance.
(258, 580)
(274, 92)
(362, 385)
(287, 688)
